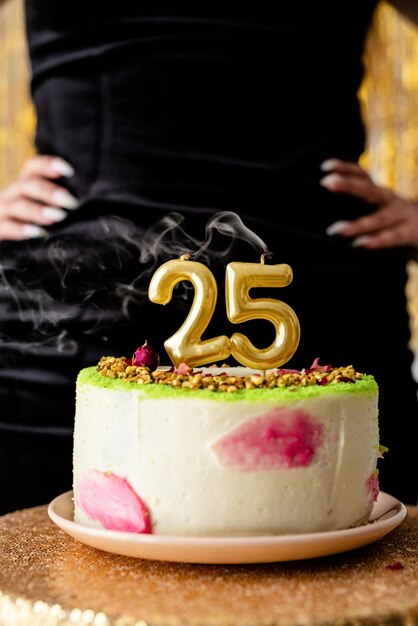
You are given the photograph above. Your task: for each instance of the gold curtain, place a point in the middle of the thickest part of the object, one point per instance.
(390, 109)
(389, 97)
(16, 114)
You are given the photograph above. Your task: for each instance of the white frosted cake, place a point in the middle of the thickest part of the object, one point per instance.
(226, 451)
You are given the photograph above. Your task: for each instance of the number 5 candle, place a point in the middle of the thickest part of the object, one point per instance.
(240, 278)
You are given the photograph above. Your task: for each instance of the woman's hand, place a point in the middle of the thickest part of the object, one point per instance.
(393, 223)
(34, 200)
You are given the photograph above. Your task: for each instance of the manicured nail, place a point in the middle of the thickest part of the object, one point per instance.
(53, 214)
(330, 179)
(337, 227)
(328, 165)
(360, 241)
(65, 199)
(62, 167)
(31, 231)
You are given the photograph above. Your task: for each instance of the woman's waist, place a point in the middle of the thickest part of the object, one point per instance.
(219, 177)
(191, 185)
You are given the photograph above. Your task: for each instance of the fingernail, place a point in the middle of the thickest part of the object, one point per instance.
(328, 165)
(51, 213)
(62, 167)
(330, 180)
(31, 231)
(65, 199)
(336, 227)
(360, 241)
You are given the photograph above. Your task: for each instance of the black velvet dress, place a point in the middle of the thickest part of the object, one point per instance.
(179, 122)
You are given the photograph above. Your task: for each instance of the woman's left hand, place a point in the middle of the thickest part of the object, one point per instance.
(394, 222)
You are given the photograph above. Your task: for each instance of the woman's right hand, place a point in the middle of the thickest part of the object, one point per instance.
(34, 200)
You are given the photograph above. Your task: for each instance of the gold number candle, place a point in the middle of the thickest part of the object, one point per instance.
(186, 346)
(240, 278)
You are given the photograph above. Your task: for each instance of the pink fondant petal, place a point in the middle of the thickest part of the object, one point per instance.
(280, 439)
(110, 500)
(372, 488)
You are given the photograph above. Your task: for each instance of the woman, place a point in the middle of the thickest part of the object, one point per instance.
(150, 124)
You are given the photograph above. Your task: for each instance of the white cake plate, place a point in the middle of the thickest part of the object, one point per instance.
(387, 513)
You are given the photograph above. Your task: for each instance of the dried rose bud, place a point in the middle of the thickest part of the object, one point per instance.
(146, 356)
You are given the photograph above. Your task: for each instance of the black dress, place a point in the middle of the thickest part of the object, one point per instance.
(177, 121)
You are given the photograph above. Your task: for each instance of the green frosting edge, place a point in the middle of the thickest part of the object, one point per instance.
(89, 376)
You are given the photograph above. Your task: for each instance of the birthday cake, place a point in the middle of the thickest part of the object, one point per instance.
(224, 451)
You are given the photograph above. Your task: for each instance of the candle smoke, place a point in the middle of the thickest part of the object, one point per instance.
(95, 274)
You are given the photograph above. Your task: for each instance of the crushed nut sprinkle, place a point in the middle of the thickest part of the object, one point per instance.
(188, 378)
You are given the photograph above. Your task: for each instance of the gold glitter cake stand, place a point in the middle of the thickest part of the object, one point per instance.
(48, 578)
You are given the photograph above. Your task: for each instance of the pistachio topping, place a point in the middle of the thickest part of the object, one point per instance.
(188, 378)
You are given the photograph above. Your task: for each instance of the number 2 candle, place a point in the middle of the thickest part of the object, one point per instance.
(240, 307)
(186, 346)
